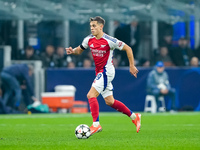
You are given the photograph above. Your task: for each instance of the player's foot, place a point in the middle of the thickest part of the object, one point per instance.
(95, 129)
(137, 121)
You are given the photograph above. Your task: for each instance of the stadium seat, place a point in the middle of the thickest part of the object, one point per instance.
(153, 106)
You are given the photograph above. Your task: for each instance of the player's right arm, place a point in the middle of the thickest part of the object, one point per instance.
(78, 50)
(75, 51)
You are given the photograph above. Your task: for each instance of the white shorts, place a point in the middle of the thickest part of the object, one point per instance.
(102, 83)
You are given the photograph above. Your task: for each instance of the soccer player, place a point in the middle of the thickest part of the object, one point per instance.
(102, 46)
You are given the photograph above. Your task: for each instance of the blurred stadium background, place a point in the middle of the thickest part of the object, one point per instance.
(64, 23)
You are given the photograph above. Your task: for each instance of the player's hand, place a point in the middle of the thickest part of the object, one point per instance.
(69, 50)
(164, 91)
(134, 71)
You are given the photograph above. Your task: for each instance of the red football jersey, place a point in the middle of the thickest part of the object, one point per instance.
(102, 50)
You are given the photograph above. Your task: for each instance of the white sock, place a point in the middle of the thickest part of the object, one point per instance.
(95, 124)
(133, 116)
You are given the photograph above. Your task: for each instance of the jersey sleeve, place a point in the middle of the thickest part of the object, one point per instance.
(84, 44)
(116, 44)
(119, 45)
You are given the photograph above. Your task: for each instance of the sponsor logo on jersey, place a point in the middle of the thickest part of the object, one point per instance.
(91, 45)
(99, 53)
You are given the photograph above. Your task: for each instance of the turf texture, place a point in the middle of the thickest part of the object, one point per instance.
(161, 131)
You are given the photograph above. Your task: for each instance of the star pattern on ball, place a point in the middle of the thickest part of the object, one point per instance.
(82, 126)
(76, 132)
(84, 133)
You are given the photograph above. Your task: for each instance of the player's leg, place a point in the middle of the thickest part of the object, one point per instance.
(11, 85)
(97, 87)
(121, 107)
(94, 108)
(18, 92)
(7, 91)
(172, 95)
(94, 105)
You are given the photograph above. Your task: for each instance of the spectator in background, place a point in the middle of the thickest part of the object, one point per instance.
(87, 63)
(2, 105)
(3, 108)
(12, 77)
(118, 33)
(143, 62)
(158, 84)
(197, 52)
(194, 62)
(163, 56)
(167, 41)
(29, 54)
(49, 59)
(80, 60)
(91, 58)
(71, 65)
(61, 57)
(132, 38)
(182, 54)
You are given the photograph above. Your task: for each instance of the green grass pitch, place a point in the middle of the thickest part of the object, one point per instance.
(161, 131)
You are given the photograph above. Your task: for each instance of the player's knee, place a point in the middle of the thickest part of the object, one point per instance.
(109, 103)
(90, 96)
(109, 100)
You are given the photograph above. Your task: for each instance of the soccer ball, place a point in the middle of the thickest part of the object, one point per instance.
(82, 131)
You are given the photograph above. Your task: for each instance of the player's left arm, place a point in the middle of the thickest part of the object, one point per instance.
(129, 52)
